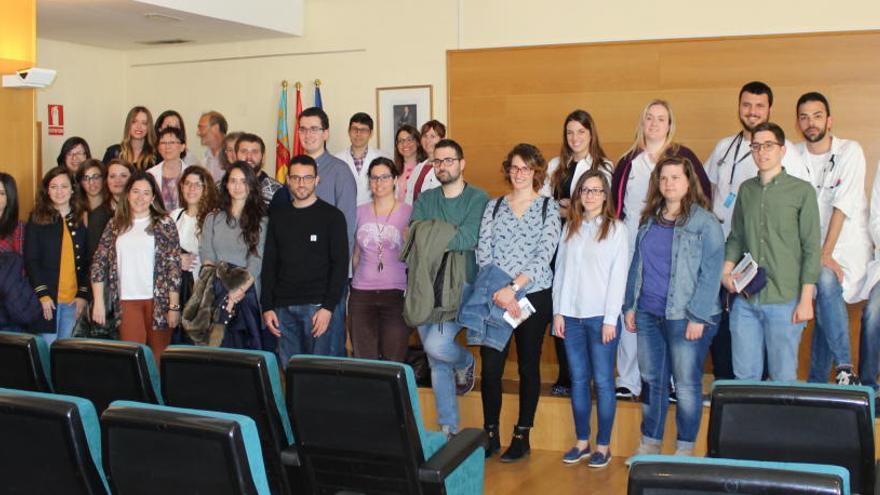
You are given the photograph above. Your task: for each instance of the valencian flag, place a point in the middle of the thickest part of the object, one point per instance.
(297, 145)
(282, 140)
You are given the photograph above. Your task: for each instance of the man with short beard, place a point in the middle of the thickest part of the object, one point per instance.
(837, 171)
(250, 148)
(305, 266)
(729, 165)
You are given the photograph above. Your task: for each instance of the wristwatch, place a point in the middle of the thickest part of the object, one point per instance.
(515, 286)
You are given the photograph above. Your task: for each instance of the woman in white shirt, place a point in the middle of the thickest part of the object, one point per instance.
(588, 291)
(198, 197)
(172, 148)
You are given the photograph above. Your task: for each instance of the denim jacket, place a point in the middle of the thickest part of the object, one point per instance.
(695, 275)
(483, 319)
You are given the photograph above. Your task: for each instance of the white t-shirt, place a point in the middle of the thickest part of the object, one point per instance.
(187, 227)
(636, 196)
(839, 178)
(731, 164)
(135, 260)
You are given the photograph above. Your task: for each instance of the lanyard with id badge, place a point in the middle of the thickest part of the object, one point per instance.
(731, 196)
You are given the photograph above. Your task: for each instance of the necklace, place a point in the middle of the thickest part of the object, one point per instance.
(381, 230)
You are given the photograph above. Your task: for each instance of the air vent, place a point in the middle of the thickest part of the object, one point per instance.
(160, 17)
(165, 42)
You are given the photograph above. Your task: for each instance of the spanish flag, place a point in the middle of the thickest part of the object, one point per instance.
(282, 142)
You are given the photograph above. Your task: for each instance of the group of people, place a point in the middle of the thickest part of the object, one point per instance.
(631, 265)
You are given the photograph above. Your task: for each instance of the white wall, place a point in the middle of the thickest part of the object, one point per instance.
(355, 46)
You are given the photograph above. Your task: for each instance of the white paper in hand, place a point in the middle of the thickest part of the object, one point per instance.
(525, 310)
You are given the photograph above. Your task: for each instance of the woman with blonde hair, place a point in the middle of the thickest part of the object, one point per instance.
(138, 146)
(655, 140)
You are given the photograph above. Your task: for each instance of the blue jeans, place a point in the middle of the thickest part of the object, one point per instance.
(869, 347)
(295, 323)
(445, 357)
(590, 359)
(336, 330)
(65, 320)
(831, 331)
(664, 350)
(756, 328)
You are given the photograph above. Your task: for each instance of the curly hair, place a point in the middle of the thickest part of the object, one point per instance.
(208, 200)
(44, 213)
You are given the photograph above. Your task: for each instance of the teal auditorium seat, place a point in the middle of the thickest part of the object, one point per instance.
(238, 381)
(105, 370)
(160, 450)
(667, 475)
(796, 423)
(24, 362)
(49, 443)
(358, 429)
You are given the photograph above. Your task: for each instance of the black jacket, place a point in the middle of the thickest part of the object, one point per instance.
(42, 259)
(19, 307)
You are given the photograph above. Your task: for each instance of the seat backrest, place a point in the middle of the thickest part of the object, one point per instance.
(354, 424)
(164, 450)
(49, 443)
(796, 422)
(668, 475)
(24, 362)
(202, 378)
(105, 370)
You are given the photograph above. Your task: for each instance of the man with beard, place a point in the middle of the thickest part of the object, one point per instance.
(837, 171)
(460, 204)
(250, 148)
(305, 266)
(729, 165)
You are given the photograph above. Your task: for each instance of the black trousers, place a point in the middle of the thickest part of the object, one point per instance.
(529, 338)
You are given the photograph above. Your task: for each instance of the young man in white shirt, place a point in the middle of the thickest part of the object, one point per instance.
(730, 164)
(837, 171)
(359, 155)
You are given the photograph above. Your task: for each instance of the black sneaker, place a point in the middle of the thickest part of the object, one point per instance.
(846, 376)
(465, 379)
(558, 390)
(624, 393)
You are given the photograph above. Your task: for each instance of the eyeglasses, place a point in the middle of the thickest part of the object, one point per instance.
(168, 143)
(92, 178)
(755, 147)
(301, 179)
(311, 130)
(380, 178)
(193, 185)
(444, 161)
(406, 140)
(520, 171)
(359, 130)
(592, 192)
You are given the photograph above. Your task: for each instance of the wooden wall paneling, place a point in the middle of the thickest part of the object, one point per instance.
(17, 136)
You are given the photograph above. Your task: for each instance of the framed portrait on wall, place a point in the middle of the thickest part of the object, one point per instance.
(401, 105)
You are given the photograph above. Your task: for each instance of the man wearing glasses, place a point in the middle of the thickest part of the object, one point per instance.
(359, 155)
(776, 220)
(250, 148)
(337, 187)
(837, 168)
(461, 205)
(305, 266)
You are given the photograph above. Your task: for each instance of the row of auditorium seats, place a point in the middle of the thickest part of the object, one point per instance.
(771, 438)
(216, 422)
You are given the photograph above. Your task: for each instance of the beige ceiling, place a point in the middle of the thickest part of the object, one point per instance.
(124, 25)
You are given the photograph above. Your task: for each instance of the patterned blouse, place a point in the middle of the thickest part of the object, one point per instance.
(521, 245)
(166, 272)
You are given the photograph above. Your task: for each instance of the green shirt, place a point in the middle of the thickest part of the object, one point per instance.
(464, 211)
(778, 223)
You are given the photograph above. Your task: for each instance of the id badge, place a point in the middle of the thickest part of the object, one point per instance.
(728, 201)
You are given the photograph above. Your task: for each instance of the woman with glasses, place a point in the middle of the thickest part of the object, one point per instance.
(518, 234)
(138, 146)
(74, 152)
(376, 303)
(581, 152)
(172, 148)
(55, 254)
(423, 177)
(235, 233)
(171, 118)
(138, 260)
(588, 288)
(408, 153)
(90, 179)
(671, 301)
